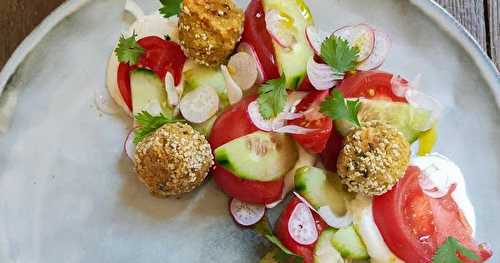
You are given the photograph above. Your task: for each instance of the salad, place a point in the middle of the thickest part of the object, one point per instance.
(277, 110)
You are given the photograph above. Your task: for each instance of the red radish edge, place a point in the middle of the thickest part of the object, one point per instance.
(302, 226)
(379, 53)
(246, 214)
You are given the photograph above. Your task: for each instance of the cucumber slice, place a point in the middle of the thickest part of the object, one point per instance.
(293, 60)
(260, 156)
(349, 244)
(199, 76)
(324, 251)
(402, 116)
(313, 184)
(148, 93)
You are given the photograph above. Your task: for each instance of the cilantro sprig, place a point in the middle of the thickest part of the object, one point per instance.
(128, 50)
(447, 253)
(272, 98)
(337, 107)
(337, 53)
(149, 124)
(170, 7)
(280, 253)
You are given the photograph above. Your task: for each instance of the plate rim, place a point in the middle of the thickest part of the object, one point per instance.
(440, 16)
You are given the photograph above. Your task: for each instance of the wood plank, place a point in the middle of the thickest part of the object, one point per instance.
(493, 20)
(470, 13)
(17, 20)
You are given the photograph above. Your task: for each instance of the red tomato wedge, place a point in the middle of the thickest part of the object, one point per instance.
(414, 225)
(281, 230)
(369, 84)
(232, 124)
(315, 141)
(332, 150)
(256, 35)
(161, 56)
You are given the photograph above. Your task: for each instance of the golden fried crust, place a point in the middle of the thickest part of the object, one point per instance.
(173, 160)
(209, 29)
(373, 159)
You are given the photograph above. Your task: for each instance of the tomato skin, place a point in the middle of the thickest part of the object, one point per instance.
(232, 124)
(255, 34)
(414, 225)
(315, 141)
(332, 150)
(372, 84)
(123, 80)
(281, 230)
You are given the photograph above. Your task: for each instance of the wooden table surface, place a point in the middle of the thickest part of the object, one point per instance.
(480, 17)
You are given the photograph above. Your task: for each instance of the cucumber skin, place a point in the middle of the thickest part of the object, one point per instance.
(350, 245)
(325, 240)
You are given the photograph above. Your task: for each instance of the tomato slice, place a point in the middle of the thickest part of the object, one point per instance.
(159, 55)
(414, 225)
(315, 141)
(255, 34)
(232, 124)
(369, 84)
(281, 230)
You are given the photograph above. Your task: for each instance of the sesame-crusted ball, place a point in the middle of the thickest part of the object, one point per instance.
(209, 30)
(373, 159)
(175, 159)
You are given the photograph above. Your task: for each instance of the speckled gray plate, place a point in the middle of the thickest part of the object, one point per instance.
(67, 193)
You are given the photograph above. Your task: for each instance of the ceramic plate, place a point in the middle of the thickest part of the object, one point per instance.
(68, 194)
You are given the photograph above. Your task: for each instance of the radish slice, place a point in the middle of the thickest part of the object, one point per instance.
(234, 92)
(247, 48)
(380, 51)
(246, 214)
(199, 105)
(421, 100)
(129, 146)
(305, 202)
(332, 219)
(321, 76)
(361, 36)
(259, 121)
(294, 129)
(173, 92)
(133, 8)
(276, 25)
(315, 38)
(243, 69)
(301, 225)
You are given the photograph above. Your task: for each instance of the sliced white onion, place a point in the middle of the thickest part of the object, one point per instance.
(399, 86)
(247, 48)
(431, 189)
(243, 69)
(134, 9)
(291, 115)
(173, 92)
(332, 219)
(294, 129)
(361, 36)
(315, 37)
(200, 104)
(321, 76)
(129, 146)
(246, 214)
(421, 100)
(379, 53)
(259, 121)
(275, 25)
(301, 225)
(234, 92)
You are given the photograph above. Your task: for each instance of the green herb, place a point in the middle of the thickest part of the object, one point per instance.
(167, 37)
(447, 253)
(337, 53)
(149, 124)
(280, 253)
(272, 98)
(170, 7)
(128, 50)
(337, 107)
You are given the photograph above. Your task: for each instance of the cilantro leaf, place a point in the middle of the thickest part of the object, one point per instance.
(149, 124)
(447, 253)
(272, 98)
(170, 7)
(337, 107)
(128, 50)
(337, 53)
(280, 253)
